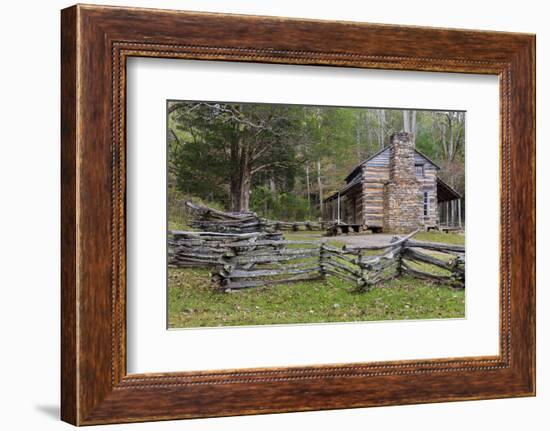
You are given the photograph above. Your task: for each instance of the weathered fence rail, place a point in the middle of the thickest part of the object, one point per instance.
(204, 249)
(375, 263)
(251, 259)
(449, 260)
(213, 220)
(362, 267)
(243, 265)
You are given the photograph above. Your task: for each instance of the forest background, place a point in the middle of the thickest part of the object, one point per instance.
(282, 161)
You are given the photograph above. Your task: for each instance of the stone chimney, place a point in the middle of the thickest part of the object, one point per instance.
(402, 198)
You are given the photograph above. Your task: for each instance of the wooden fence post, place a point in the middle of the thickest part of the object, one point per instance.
(398, 254)
(459, 213)
(458, 275)
(322, 259)
(221, 279)
(363, 281)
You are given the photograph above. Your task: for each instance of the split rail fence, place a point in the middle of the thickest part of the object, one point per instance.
(205, 249)
(213, 220)
(241, 261)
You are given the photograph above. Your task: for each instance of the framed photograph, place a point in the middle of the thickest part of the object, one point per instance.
(266, 215)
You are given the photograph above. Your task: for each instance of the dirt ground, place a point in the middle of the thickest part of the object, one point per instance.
(369, 239)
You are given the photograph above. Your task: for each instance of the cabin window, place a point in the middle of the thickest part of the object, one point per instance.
(419, 170)
(426, 204)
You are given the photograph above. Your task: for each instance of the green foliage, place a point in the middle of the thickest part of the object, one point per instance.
(426, 141)
(261, 156)
(218, 149)
(279, 206)
(196, 151)
(192, 303)
(179, 214)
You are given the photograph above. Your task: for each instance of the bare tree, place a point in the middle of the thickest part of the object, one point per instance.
(308, 190)
(320, 185)
(409, 121)
(381, 129)
(358, 136)
(451, 133)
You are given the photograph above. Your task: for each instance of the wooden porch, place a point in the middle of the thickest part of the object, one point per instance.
(449, 208)
(344, 228)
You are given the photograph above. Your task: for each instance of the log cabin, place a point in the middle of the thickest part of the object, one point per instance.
(397, 190)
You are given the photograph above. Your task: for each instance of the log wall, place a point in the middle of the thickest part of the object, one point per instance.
(376, 174)
(429, 185)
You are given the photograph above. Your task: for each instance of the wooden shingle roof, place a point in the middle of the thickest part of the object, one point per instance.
(445, 192)
(357, 168)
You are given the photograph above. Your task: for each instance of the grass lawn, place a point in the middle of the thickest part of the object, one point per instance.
(449, 238)
(175, 225)
(192, 303)
(432, 236)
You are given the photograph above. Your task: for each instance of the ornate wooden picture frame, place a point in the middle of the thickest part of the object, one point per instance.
(96, 41)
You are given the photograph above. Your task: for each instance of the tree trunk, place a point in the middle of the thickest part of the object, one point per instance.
(240, 191)
(406, 122)
(235, 177)
(272, 184)
(241, 177)
(308, 191)
(234, 203)
(320, 184)
(451, 139)
(358, 137)
(245, 191)
(409, 121)
(381, 127)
